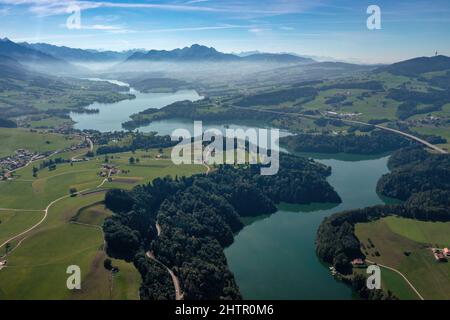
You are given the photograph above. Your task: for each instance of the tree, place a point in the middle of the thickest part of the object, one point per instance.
(73, 192)
(107, 263)
(7, 248)
(131, 160)
(35, 171)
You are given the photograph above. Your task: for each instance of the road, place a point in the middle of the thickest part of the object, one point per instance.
(407, 135)
(401, 274)
(176, 283)
(43, 218)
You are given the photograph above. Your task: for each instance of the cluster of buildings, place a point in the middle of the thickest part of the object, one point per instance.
(345, 115)
(109, 170)
(20, 159)
(427, 120)
(441, 255)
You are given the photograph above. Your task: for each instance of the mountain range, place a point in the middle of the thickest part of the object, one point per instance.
(16, 56)
(208, 54)
(80, 55)
(46, 53)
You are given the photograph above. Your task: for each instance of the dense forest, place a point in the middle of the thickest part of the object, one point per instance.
(415, 170)
(375, 143)
(419, 177)
(198, 217)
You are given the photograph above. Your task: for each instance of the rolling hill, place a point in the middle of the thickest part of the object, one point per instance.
(417, 66)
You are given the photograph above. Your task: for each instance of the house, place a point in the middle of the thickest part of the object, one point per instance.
(446, 252)
(440, 256)
(358, 263)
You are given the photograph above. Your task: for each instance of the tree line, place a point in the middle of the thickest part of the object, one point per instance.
(377, 142)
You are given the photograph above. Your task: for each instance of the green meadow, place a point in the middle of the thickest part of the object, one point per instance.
(13, 139)
(71, 233)
(405, 245)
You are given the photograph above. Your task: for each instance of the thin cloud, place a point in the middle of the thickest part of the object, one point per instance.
(205, 28)
(196, 1)
(5, 11)
(57, 7)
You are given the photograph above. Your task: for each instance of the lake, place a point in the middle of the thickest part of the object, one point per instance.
(274, 257)
(112, 115)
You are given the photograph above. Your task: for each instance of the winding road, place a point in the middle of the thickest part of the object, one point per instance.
(401, 274)
(176, 282)
(43, 218)
(91, 147)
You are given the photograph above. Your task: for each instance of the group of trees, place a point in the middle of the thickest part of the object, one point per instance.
(418, 176)
(365, 85)
(50, 164)
(375, 143)
(198, 217)
(139, 141)
(432, 100)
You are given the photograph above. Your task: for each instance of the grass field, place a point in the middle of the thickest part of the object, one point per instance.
(406, 247)
(13, 139)
(14, 222)
(71, 233)
(433, 233)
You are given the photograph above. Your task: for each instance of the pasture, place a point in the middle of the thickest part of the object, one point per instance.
(403, 248)
(71, 233)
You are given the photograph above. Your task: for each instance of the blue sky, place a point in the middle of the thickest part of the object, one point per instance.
(311, 27)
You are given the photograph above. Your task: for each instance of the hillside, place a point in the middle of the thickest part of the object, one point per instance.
(418, 66)
(35, 59)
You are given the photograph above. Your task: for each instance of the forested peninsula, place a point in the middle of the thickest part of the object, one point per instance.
(187, 222)
(377, 142)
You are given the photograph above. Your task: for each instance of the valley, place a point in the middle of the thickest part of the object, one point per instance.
(87, 177)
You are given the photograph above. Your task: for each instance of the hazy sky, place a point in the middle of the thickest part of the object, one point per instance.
(311, 27)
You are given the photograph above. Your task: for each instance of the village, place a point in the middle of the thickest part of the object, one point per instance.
(23, 157)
